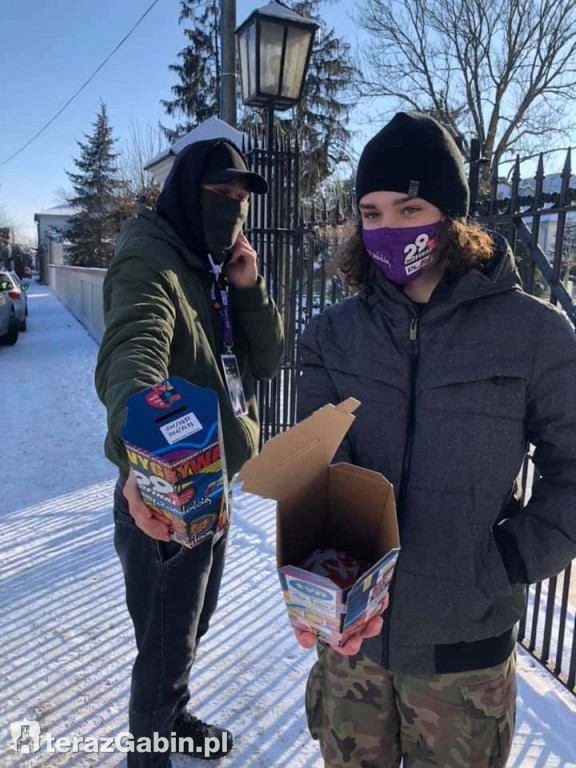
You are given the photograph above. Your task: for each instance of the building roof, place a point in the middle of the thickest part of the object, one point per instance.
(551, 183)
(58, 210)
(213, 128)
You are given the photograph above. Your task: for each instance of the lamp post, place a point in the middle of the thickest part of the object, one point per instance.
(274, 46)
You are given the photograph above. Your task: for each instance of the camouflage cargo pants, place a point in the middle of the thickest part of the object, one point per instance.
(366, 717)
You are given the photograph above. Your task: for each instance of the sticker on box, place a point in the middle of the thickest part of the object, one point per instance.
(172, 438)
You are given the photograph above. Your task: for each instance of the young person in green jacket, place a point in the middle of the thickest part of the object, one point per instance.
(162, 320)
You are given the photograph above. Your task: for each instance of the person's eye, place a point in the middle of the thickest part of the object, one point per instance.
(370, 215)
(411, 209)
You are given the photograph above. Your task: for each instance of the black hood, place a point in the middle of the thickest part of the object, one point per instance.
(179, 202)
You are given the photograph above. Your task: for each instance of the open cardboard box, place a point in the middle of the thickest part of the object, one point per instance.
(317, 502)
(173, 442)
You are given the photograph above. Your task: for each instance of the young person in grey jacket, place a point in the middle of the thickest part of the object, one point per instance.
(458, 370)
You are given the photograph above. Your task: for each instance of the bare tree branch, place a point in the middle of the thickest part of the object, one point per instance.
(504, 70)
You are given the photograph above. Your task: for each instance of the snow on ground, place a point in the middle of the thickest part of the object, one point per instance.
(66, 642)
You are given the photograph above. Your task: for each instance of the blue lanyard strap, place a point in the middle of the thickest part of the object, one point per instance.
(219, 297)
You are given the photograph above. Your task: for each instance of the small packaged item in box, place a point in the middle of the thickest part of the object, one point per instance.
(333, 594)
(173, 442)
(327, 560)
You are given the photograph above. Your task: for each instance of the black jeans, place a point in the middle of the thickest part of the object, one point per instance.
(171, 594)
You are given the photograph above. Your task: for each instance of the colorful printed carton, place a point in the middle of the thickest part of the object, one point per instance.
(173, 441)
(316, 501)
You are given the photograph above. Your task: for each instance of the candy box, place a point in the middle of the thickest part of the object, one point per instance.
(317, 502)
(173, 441)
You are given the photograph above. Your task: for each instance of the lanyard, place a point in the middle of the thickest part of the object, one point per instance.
(219, 298)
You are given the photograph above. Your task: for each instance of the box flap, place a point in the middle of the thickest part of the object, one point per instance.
(367, 498)
(294, 458)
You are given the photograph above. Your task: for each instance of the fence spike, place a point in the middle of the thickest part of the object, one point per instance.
(539, 182)
(494, 176)
(515, 185)
(540, 169)
(338, 211)
(566, 176)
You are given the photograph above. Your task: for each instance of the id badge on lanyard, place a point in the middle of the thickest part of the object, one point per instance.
(229, 361)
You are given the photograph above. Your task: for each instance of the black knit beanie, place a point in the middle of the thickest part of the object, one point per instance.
(415, 155)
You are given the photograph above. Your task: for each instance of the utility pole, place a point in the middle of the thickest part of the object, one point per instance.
(228, 81)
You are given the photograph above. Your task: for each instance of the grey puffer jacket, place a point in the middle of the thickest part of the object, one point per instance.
(451, 396)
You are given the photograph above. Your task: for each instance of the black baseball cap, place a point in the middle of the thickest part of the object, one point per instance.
(225, 163)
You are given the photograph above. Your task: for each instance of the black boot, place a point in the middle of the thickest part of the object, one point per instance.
(208, 741)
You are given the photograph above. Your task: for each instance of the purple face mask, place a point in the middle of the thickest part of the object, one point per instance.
(401, 253)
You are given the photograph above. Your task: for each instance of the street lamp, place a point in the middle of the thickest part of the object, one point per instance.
(274, 45)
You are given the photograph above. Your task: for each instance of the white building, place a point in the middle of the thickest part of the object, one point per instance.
(213, 128)
(52, 225)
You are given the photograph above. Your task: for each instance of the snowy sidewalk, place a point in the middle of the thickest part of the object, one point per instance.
(65, 639)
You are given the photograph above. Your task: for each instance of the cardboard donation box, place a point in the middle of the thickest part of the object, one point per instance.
(323, 507)
(173, 441)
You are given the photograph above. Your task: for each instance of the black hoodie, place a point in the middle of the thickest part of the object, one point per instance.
(180, 200)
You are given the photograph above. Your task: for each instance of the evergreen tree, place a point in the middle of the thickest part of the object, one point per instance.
(93, 229)
(196, 95)
(322, 114)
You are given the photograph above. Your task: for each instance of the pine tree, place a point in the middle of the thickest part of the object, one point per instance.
(322, 114)
(196, 95)
(92, 230)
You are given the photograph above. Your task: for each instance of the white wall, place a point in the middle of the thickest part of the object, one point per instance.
(80, 290)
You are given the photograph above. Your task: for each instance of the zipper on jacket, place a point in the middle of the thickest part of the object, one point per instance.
(412, 418)
(413, 336)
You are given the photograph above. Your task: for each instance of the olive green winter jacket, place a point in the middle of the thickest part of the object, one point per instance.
(160, 322)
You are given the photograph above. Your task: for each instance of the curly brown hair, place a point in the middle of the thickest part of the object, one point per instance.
(460, 246)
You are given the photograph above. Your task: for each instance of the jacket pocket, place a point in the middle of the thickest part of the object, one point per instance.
(491, 564)
(491, 394)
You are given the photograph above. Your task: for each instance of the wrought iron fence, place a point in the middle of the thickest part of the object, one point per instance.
(538, 217)
(297, 244)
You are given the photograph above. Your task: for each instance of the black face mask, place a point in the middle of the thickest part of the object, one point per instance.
(222, 218)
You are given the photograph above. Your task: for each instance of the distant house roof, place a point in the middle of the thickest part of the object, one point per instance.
(58, 210)
(551, 184)
(213, 128)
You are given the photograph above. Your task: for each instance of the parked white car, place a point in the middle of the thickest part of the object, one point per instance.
(8, 322)
(24, 284)
(17, 292)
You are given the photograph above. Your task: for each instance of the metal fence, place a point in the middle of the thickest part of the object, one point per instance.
(538, 217)
(297, 244)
